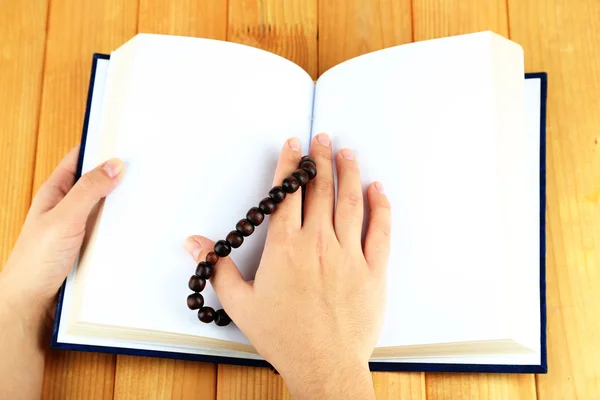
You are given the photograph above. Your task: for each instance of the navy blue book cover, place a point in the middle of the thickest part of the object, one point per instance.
(542, 368)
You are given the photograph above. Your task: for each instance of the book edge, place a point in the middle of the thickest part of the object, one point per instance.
(542, 368)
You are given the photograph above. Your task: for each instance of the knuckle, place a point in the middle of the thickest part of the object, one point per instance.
(353, 200)
(384, 229)
(323, 186)
(87, 184)
(324, 155)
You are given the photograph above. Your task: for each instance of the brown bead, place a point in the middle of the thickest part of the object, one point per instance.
(206, 315)
(235, 239)
(255, 216)
(204, 270)
(290, 184)
(267, 205)
(309, 159)
(277, 194)
(196, 283)
(301, 175)
(244, 227)
(195, 301)
(222, 248)
(310, 169)
(212, 258)
(221, 318)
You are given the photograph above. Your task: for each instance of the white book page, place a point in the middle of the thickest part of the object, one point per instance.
(199, 125)
(422, 119)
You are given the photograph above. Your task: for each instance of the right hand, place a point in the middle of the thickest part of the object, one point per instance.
(315, 309)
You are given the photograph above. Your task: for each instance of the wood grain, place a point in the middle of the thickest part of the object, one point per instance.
(23, 33)
(432, 19)
(152, 378)
(76, 30)
(147, 379)
(249, 383)
(350, 28)
(206, 18)
(389, 385)
(561, 37)
(75, 375)
(287, 28)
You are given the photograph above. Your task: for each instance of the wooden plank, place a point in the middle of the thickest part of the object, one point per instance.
(147, 378)
(349, 28)
(432, 19)
(287, 28)
(150, 378)
(399, 385)
(23, 33)
(75, 375)
(249, 383)
(439, 18)
(561, 37)
(76, 30)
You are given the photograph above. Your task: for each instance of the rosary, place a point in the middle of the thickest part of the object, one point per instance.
(244, 228)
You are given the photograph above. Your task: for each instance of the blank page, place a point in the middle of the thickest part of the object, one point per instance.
(199, 125)
(425, 119)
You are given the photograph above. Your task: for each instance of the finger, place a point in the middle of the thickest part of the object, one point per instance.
(58, 184)
(289, 212)
(349, 207)
(89, 190)
(377, 241)
(319, 192)
(227, 281)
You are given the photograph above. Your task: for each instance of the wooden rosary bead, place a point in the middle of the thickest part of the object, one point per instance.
(310, 169)
(277, 194)
(309, 159)
(290, 184)
(255, 216)
(244, 227)
(212, 258)
(196, 284)
(221, 318)
(222, 248)
(206, 314)
(267, 205)
(195, 301)
(204, 270)
(235, 239)
(301, 176)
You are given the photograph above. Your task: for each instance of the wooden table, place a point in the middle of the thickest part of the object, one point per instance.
(45, 56)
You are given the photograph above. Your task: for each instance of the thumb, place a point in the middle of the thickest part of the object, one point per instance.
(90, 189)
(227, 281)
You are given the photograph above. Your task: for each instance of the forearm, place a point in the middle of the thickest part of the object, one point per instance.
(21, 351)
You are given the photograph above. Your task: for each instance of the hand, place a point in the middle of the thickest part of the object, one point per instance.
(315, 308)
(53, 232)
(40, 261)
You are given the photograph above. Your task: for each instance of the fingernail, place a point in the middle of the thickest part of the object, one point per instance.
(193, 247)
(379, 187)
(113, 167)
(347, 154)
(294, 144)
(324, 139)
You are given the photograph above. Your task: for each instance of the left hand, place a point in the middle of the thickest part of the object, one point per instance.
(52, 236)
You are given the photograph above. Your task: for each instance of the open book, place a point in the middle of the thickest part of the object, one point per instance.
(450, 126)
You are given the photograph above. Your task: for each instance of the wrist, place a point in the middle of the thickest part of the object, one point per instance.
(21, 304)
(330, 379)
